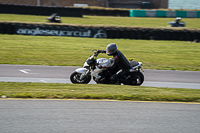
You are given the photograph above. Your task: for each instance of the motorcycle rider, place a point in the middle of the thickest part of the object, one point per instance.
(120, 61)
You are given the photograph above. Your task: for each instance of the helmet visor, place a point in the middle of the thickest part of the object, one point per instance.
(108, 52)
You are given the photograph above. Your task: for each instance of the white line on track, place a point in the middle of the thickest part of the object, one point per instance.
(62, 80)
(27, 71)
(43, 81)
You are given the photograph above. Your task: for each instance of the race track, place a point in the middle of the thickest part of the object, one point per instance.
(85, 116)
(78, 116)
(61, 74)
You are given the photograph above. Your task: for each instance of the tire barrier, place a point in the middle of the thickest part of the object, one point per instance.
(62, 11)
(104, 12)
(162, 13)
(99, 32)
(41, 10)
(79, 12)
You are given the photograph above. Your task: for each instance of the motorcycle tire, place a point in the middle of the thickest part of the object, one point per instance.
(136, 78)
(75, 78)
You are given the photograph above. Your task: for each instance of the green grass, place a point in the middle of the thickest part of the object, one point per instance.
(112, 92)
(103, 20)
(73, 51)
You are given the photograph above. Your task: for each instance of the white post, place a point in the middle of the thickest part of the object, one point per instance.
(107, 3)
(38, 2)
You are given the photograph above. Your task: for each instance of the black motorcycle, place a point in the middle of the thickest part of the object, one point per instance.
(102, 76)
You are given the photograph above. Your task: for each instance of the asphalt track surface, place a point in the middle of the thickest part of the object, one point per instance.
(85, 116)
(61, 74)
(81, 116)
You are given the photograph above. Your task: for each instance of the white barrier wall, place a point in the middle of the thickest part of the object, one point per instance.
(150, 13)
(191, 14)
(171, 14)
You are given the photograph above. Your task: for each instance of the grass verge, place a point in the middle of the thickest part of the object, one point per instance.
(104, 20)
(73, 51)
(112, 92)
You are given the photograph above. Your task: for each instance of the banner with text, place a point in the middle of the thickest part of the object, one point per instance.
(72, 32)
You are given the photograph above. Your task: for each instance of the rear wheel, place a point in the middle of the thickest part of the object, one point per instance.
(75, 78)
(136, 78)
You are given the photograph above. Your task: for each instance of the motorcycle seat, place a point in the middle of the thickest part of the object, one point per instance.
(133, 63)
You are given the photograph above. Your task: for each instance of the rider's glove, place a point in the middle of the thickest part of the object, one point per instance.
(101, 51)
(98, 51)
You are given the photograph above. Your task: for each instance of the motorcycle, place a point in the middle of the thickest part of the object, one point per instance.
(102, 76)
(176, 23)
(173, 24)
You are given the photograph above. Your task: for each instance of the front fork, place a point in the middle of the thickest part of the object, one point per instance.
(141, 68)
(83, 75)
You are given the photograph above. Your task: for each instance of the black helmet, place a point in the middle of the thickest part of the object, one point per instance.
(111, 49)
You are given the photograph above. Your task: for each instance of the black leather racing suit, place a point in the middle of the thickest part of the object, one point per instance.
(122, 63)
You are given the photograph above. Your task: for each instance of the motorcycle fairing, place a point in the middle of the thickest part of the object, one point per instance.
(81, 70)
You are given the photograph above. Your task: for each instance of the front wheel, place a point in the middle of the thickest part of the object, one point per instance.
(136, 78)
(75, 78)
